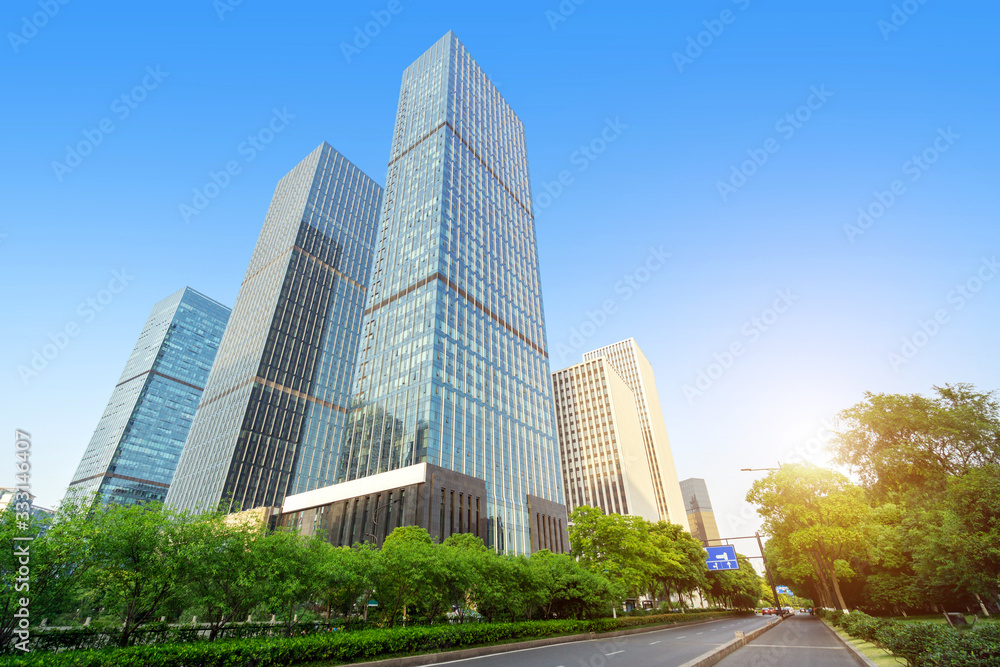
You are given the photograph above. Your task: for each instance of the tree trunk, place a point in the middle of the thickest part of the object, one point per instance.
(826, 599)
(836, 587)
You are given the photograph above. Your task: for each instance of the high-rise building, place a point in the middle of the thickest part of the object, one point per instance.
(134, 451)
(699, 511)
(271, 420)
(601, 447)
(632, 365)
(453, 369)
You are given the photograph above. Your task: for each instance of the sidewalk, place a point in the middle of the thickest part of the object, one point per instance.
(801, 641)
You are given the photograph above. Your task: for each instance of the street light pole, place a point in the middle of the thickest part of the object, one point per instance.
(767, 570)
(374, 533)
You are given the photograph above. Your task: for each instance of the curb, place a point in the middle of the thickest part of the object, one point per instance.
(717, 654)
(480, 651)
(855, 652)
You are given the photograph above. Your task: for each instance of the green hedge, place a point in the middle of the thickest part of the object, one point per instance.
(925, 644)
(98, 637)
(339, 646)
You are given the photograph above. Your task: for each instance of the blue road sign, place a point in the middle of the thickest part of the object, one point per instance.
(785, 590)
(722, 558)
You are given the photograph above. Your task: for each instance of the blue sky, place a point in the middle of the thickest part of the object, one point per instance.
(642, 108)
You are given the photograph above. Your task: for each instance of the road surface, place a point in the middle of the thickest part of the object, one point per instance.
(665, 648)
(801, 641)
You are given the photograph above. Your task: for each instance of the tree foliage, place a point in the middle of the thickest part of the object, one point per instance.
(660, 559)
(905, 443)
(922, 531)
(738, 589)
(815, 516)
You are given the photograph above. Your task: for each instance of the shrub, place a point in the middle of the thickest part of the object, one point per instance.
(913, 641)
(862, 625)
(925, 644)
(978, 647)
(342, 646)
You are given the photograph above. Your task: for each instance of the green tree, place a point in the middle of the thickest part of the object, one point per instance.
(618, 547)
(135, 562)
(567, 590)
(294, 569)
(900, 444)
(817, 517)
(508, 590)
(346, 578)
(57, 558)
(463, 558)
(974, 502)
(405, 572)
(738, 589)
(225, 561)
(685, 573)
(954, 543)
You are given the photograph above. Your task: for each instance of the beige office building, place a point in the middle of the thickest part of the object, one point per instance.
(699, 511)
(601, 446)
(633, 367)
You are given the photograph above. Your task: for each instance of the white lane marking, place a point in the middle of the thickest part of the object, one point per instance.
(682, 636)
(615, 652)
(657, 642)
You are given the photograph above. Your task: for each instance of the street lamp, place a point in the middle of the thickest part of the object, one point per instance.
(760, 545)
(378, 509)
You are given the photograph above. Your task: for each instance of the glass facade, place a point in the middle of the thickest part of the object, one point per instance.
(271, 420)
(452, 367)
(134, 451)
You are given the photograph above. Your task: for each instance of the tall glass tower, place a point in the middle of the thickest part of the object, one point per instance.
(133, 453)
(271, 420)
(452, 368)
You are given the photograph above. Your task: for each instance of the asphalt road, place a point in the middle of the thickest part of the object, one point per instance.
(664, 648)
(801, 641)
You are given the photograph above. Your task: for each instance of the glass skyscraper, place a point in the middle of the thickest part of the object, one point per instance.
(452, 368)
(134, 451)
(271, 419)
